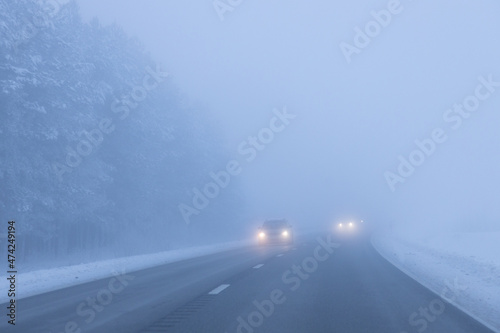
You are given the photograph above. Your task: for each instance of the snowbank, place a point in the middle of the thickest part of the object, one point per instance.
(45, 280)
(467, 262)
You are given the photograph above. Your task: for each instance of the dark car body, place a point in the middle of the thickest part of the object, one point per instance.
(277, 231)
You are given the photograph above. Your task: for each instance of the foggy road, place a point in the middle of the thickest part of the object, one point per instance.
(147, 147)
(316, 285)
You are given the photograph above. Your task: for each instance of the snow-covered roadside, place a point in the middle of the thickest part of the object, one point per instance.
(466, 263)
(45, 280)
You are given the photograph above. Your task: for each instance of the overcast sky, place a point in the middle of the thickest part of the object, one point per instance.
(355, 113)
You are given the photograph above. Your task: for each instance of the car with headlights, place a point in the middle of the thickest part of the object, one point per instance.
(276, 231)
(349, 227)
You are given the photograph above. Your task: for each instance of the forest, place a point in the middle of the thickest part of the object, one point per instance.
(98, 146)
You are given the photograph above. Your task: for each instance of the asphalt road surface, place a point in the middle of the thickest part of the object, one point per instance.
(318, 284)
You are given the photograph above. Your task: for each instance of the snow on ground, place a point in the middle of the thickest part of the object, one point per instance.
(463, 268)
(45, 280)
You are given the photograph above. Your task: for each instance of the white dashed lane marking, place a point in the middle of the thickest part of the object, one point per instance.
(219, 289)
(279, 255)
(258, 266)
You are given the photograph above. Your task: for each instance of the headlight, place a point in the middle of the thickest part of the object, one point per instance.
(262, 234)
(340, 225)
(285, 233)
(351, 224)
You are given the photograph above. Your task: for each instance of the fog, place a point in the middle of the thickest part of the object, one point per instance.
(353, 120)
(243, 165)
(221, 114)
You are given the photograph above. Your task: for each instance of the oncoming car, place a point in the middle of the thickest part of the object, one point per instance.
(348, 227)
(277, 231)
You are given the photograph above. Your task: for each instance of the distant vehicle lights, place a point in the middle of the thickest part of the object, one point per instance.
(348, 226)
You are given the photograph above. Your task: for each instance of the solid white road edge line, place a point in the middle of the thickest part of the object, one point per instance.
(218, 289)
(258, 266)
